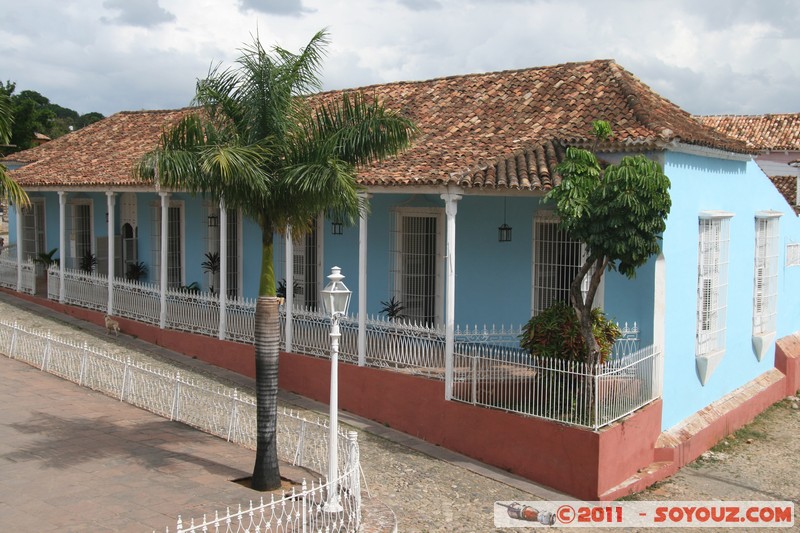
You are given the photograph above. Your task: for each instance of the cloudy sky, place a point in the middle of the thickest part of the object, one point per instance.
(708, 56)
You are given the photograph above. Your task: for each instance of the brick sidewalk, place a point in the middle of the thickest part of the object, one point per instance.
(75, 460)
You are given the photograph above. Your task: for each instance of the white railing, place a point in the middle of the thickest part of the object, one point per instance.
(193, 311)
(221, 411)
(8, 272)
(572, 392)
(491, 370)
(80, 288)
(137, 300)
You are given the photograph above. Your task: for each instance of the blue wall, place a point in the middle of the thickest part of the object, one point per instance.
(701, 184)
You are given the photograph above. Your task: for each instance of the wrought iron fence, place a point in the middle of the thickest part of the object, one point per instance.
(572, 392)
(8, 273)
(222, 411)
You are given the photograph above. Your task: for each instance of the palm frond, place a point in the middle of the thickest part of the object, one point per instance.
(6, 118)
(361, 130)
(8, 186)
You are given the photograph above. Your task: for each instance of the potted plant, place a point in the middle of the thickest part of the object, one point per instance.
(88, 262)
(43, 261)
(211, 266)
(136, 271)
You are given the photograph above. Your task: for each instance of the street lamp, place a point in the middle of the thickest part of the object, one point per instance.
(335, 300)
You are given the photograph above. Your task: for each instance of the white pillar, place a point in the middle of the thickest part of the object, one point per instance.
(333, 505)
(362, 283)
(164, 243)
(111, 199)
(19, 246)
(451, 208)
(223, 269)
(289, 307)
(62, 243)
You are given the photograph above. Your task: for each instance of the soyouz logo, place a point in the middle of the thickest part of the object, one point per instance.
(747, 514)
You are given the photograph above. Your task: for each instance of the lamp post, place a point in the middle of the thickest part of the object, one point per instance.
(335, 300)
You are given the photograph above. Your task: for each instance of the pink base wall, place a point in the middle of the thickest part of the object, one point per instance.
(582, 463)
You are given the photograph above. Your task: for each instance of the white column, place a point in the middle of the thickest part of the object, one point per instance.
(362, 283)
(19, 246)
(289, 307)
(164, 243)
(62, 243)
(111, 200)
(223, 270)
(451, 208)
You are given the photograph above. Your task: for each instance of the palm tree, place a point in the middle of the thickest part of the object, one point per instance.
(7, 185)
(260, 143)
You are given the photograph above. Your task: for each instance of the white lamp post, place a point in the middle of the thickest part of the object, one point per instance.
(335, 300)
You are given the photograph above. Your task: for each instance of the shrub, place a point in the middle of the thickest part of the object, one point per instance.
(555, 332)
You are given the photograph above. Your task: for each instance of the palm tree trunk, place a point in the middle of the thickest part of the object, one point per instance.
(266, 472)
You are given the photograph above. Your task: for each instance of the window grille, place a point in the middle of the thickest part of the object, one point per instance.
(174, 245)
(765, 289)
(712, 283)
(557, 258)
(33, 226)
(130, 246)
(307, 260)
(416, 273)
(79, 232)
(213, 246)
(793, 254)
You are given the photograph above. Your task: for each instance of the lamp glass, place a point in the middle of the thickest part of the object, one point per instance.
(336, 295)
(504, 233)
(336, 228)
(213, 221)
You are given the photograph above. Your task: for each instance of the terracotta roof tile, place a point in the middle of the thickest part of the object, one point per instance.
(101, 154)
(787, 185)
(502, 130)
(760, 132)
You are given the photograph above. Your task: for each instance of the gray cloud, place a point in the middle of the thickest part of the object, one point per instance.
(292, 8)
(142, 13)
(421, 5)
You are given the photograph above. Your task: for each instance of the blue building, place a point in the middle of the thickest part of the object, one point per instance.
(458, 231)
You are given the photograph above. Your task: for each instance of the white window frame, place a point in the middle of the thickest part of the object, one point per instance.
(792, 254)
(713, 250)
(73, 258)
(156, 238)
(550, 217)
(397, 290)
(765, 280)
(37, 211)
(213, 245)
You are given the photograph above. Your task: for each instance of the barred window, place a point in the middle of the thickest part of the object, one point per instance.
(712, 282)
(765, 285)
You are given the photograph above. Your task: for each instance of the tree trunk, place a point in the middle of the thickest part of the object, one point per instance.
(266, 472)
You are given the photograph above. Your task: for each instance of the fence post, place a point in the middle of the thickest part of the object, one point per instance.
(84, 356)
(474, 365)
(353, 464)
(13, 341)
(232, 423)
(176, 397)
(124, 378)
(304, 505)
(596, 395)
(46, 354)
(298, 453)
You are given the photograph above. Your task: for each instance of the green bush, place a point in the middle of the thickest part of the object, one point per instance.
(555, 332)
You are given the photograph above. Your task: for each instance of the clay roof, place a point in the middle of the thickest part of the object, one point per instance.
(100, 154)
(787, 185)
(760, 132)
(498, 130)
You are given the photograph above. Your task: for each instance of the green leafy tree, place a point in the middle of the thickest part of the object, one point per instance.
(258, 142)
(619, 211)
(8, 187)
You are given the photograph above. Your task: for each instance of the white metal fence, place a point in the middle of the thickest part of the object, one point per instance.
(8, 272)
(220, 411)
(490, 368)
(576, 393)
